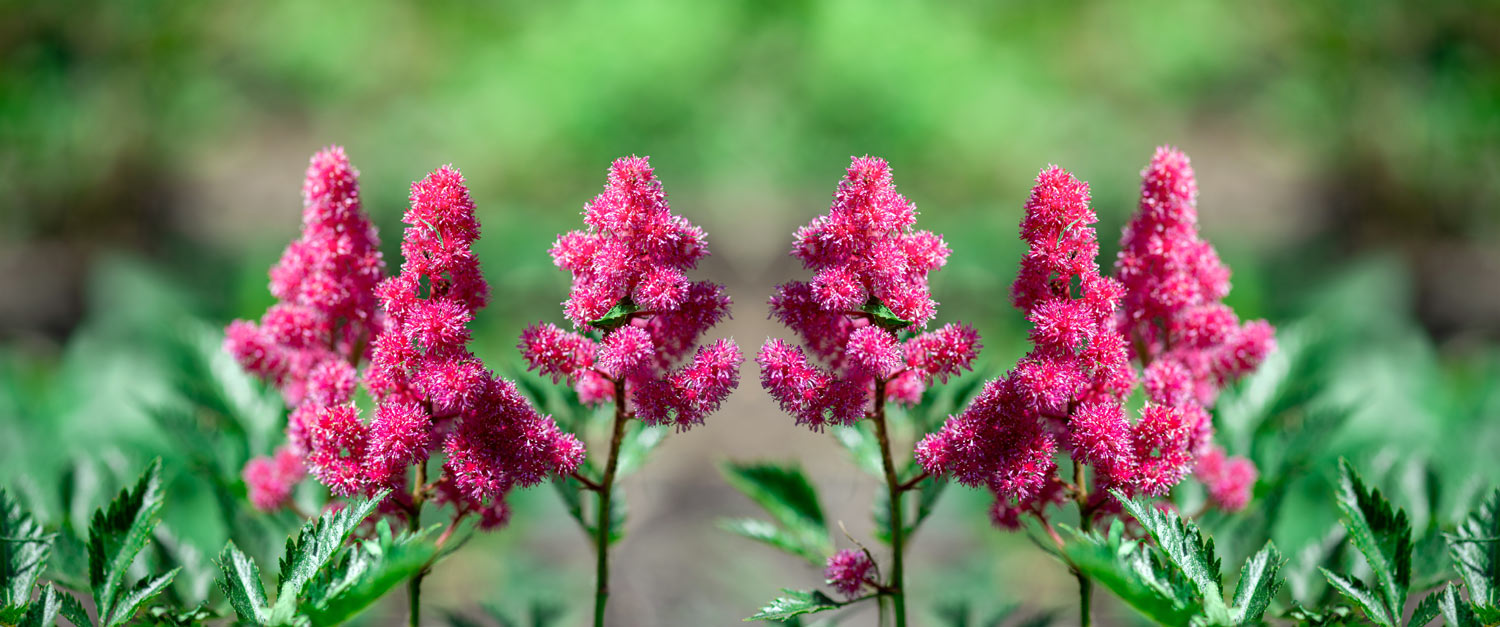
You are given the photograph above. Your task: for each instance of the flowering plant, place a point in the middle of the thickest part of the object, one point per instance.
(1069, 394)
(430, 392)
(636, 317)
(868, 290)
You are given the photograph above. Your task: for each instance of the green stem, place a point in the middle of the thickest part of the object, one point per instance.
(413, 523)
(893, 486)
(601, 521)
(1086, 522)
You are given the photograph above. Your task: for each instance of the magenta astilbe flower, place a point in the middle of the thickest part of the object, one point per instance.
(430, 390)
(869, 264)
(327, 310)
(848, 571)
(1230, 480)
(633, 260)
(865, 246)
(1193, 344)
(1174, 281)
(270, 480)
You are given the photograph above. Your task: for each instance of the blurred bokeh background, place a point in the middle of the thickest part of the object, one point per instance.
(151, 156)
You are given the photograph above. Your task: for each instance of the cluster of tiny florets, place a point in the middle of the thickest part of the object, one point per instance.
(1192, 343)
(309, 342)
(1069, 392)
(430, 391)
(633, 260)
(849, 571)
(862, 251)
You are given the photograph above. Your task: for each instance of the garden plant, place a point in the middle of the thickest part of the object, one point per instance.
(1131, 379)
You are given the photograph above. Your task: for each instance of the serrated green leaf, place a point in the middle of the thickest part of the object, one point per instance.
(786, 494)
(372, 569)
(179, 617)
(1337, 615)
(1475, 548)
(882, 316)
(1372, 604)
(310, 551)
(1257, 587)
(793, 603)
(43, 612)
(1427, 610)
(1121, 566)
(117, 535)
(24, 549)
(240, 582)
(1455, 611)
(769, 533)
(73, 610)
(130, 601)
(1380, 532)
(617, 316)
(1188, 550)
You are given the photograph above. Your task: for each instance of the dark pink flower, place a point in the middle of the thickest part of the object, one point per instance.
(849, 571)
(1230, 480)
(270, 480)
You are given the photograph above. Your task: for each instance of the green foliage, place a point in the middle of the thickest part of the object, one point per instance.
(116, 536)
(791, 500)
(617, 316)
(882, 316)
(24, 549)
(927, 493)
(1383, 535)
(1475, 549)
(1177, 580)
(793, 603)
(323, 580)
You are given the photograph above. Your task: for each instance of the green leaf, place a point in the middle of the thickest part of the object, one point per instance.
(367, 572)
(1126, 569)
(1186, 547)
(241, 584)
(859, 439)
(571, 493)
(43, 612)
(618, 316)
(617, 512)
(73, 610)
(794, 603)
(312, 549)
(1257, 587)
(24, 549)
(769, 533)
(180, 617)
(131, 600)
(1455, 611)
(786, 494)
(1381, 533)
(1367, 599)
(1475, 548)
(638, 443)
(882, 316)
(1426, 611)
(116, 536)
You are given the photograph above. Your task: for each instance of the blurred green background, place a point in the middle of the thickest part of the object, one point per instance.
(151, 156)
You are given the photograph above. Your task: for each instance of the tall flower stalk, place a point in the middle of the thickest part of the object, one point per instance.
(636, 317)
(431, 393)
(1090, 333)
(870, 285)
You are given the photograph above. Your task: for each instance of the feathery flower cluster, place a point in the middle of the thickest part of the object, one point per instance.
(848, 571)
(270, 480)
(871, 279)
(1192, 344)
(309, 343)
(431, 391)
(630, 283)
(1069, 391)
